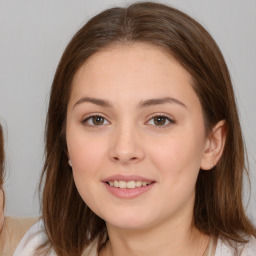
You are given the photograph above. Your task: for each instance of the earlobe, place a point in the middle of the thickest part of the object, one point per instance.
(69, 160)
(214, 146)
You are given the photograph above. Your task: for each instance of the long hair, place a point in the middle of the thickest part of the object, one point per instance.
(218, 210)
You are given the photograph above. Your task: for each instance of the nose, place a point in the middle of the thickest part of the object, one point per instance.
(126, 146)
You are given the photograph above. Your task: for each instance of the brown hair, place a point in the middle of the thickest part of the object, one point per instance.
(218, 209)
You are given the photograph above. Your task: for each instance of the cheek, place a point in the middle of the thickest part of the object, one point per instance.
(178, 163)
(85, 152)
(178, 157)
(85, 158)
(85, 168)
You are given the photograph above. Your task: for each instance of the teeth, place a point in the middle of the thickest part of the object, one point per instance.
(129, 184)
(116, 183)
(122, 184)
(138, 184)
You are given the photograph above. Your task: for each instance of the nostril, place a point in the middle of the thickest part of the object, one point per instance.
(132, 159)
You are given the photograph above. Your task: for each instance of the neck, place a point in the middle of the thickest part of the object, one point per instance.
(166, 239)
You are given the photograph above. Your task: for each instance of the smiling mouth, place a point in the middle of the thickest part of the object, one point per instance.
(128, 184)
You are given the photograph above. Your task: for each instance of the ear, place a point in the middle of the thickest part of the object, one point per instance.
(214, 146)
(69, 160)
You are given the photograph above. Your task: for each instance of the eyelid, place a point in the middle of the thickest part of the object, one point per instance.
(87, 117)
(167, 116)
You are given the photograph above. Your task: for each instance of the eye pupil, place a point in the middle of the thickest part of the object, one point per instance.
(159, 120)
(98, 120)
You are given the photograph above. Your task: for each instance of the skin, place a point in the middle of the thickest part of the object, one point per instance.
(1, 209)
(130, 142)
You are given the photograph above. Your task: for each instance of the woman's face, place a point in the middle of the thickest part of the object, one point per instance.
(135, 136)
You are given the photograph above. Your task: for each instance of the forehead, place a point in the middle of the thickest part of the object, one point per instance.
(128, 53)
(122, 61)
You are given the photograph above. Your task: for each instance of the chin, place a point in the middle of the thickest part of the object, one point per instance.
(136, 221)
(128, 225)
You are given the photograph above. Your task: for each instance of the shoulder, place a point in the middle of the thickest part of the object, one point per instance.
(36, 236)
(33, 238)
(12, 232)
(248, 249)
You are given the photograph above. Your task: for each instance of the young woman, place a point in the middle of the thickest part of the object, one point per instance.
(11, 229)
(144, 152)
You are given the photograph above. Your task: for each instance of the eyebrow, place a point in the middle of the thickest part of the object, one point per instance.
(142, 104)
(153, 102)
(95, 101)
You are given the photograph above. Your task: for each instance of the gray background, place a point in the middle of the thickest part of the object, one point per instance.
(33, 35)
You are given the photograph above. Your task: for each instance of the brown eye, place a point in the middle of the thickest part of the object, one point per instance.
(160, 120)
(97, 120)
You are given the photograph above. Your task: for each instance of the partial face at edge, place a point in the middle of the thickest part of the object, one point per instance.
(1, 209)
(133, 116)
(1, 191)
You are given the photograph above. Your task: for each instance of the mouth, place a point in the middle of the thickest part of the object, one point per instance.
(128, 184)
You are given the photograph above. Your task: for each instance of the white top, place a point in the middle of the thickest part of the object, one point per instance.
(35, 236)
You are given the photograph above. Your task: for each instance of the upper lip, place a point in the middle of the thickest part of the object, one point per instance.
(126, 178)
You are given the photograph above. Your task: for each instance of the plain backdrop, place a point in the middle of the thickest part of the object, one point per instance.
(33, 35)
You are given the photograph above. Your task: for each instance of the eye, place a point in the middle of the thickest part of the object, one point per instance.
(95, 120)
(160, 120)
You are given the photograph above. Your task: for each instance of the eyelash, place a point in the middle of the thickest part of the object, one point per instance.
(166, 119)
(87, 119)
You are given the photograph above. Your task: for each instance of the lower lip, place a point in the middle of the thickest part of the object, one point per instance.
(128, 192)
